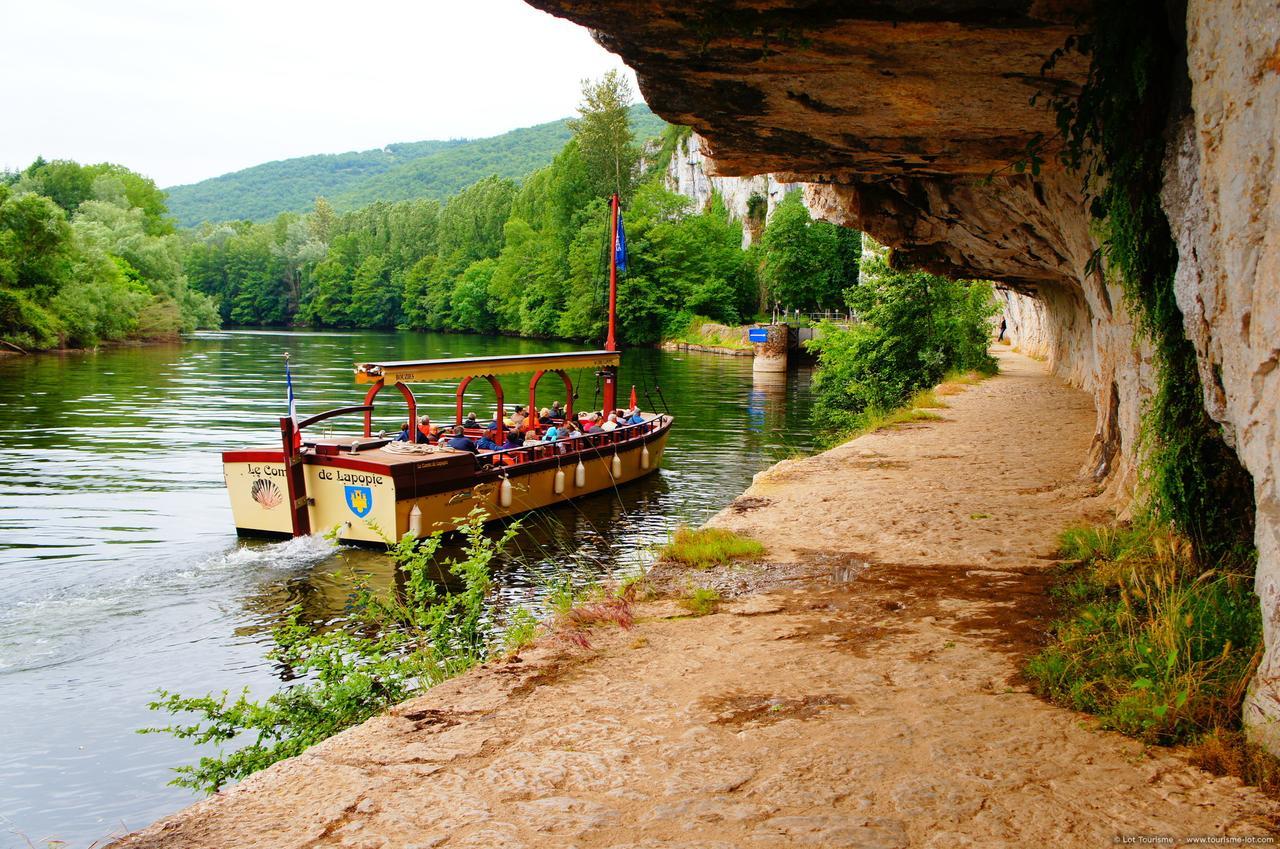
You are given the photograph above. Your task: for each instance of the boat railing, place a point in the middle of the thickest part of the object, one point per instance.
(585, 443)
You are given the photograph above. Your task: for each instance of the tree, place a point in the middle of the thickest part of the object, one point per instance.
(915, 327)
(806, 263)
(604, 137)
(471, 222)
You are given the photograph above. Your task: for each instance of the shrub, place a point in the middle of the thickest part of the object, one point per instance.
(915, 329)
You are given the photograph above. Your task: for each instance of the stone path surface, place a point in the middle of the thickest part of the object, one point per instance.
(862, 690)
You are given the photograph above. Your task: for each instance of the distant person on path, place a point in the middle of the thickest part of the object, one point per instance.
(1003, 325)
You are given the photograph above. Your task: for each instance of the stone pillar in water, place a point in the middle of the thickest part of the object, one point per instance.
(771, 354)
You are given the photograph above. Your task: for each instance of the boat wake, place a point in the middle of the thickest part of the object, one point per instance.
(75, 622)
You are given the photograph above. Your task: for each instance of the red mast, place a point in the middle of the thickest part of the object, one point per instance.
(611, 342)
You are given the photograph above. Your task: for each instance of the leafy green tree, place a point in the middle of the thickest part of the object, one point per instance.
(471, 222)
(807, 264)
(470, 308)
(604, 137)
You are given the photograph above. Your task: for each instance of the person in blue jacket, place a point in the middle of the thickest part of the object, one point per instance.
(487, 442)
(461, 442)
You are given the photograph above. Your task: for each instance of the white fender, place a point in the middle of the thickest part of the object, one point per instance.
(415, 521)
(644, 457)
(615, 468)
(559, 485)
(580, 475)
(504, 493)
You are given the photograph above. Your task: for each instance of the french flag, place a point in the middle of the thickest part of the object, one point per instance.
(293, 404)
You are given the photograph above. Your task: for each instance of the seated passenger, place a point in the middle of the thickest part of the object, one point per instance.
(544, 418)
(470, 421)
(570, 430)
(552, 434)
(487, 442)
(557, 412)
(610, 423)
(424, 431)
(593, 423)
(515, 439)
(404, 433)
(461, 442)
(633, 416)
(518, 417)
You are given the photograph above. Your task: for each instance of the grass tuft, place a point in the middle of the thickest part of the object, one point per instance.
(1151, 641)
(522, 631)
(706, 547)
(927, 399)
(701, 601)
(954, 382)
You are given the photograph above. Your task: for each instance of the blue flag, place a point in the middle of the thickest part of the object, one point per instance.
(620, 246)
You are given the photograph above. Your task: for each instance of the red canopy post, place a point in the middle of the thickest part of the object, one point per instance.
(408, 397)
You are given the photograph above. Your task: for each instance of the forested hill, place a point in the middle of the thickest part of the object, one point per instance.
(427, 169)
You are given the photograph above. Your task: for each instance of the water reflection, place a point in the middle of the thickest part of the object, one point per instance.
(122, 574)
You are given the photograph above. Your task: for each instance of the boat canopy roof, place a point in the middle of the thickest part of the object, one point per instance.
(457, 368)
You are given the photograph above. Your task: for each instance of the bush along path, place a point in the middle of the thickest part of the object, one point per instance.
(856, 685)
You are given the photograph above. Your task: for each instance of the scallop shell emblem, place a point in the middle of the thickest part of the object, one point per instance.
(266, 493)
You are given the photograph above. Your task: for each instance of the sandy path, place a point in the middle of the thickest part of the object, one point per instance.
(865, 695)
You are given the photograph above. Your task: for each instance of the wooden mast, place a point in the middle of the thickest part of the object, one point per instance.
(611, 342)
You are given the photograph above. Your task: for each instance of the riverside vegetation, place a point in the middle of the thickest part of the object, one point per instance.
(915, 329)
(499, 256)
(390, 648)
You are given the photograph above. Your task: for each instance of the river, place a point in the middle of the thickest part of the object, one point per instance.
(121, 572)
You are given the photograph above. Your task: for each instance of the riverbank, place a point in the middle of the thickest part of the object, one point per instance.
(860, 687)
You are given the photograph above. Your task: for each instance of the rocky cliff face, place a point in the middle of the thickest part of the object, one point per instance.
(750, 200)
(904, 119)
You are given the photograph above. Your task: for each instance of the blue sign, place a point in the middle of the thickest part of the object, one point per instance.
(759, 334)
(360, 500)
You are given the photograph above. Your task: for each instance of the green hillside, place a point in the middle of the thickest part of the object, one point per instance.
(431, 169)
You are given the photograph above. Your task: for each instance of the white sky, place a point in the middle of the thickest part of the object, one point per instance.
(181, 90)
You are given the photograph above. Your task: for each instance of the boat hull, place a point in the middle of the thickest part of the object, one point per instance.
(368, 501)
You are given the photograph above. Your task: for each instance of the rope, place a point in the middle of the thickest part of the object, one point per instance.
(416, 448)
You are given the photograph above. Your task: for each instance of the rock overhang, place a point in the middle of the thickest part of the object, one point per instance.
(838, 92)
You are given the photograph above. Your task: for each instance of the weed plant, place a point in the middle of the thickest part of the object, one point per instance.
(1152, 642)
(701, 601)
(391, 648)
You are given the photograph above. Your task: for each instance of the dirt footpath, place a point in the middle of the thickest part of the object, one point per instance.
(862, 693)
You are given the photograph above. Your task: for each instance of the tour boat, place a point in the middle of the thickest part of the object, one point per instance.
(371, 488)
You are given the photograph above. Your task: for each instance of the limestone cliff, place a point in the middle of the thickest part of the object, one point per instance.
(750, 200)
(904, 118)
